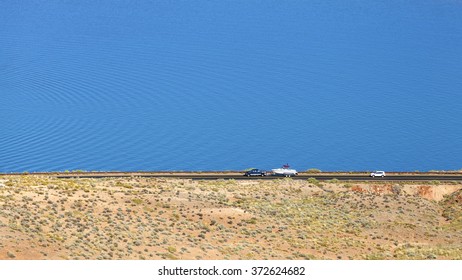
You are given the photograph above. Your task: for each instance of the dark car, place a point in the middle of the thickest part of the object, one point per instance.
(255, 172)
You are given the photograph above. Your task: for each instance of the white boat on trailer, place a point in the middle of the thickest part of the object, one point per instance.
(285, 171)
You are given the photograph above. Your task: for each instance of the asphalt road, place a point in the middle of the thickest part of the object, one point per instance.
(398, 176)
(237, 176)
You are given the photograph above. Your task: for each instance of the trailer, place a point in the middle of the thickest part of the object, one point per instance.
(285, 171)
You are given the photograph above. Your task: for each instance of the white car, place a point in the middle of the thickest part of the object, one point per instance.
(378, 174)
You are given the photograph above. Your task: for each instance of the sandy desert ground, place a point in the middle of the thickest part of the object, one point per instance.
(150, 218)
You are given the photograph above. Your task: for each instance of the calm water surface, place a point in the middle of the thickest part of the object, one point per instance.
(226, 85)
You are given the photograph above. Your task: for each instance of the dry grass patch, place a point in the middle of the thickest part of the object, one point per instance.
(43, 217)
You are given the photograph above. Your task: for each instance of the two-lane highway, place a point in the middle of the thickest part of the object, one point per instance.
(239, 176)
(236, 175)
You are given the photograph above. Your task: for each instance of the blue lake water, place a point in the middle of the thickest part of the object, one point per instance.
(227, 85)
